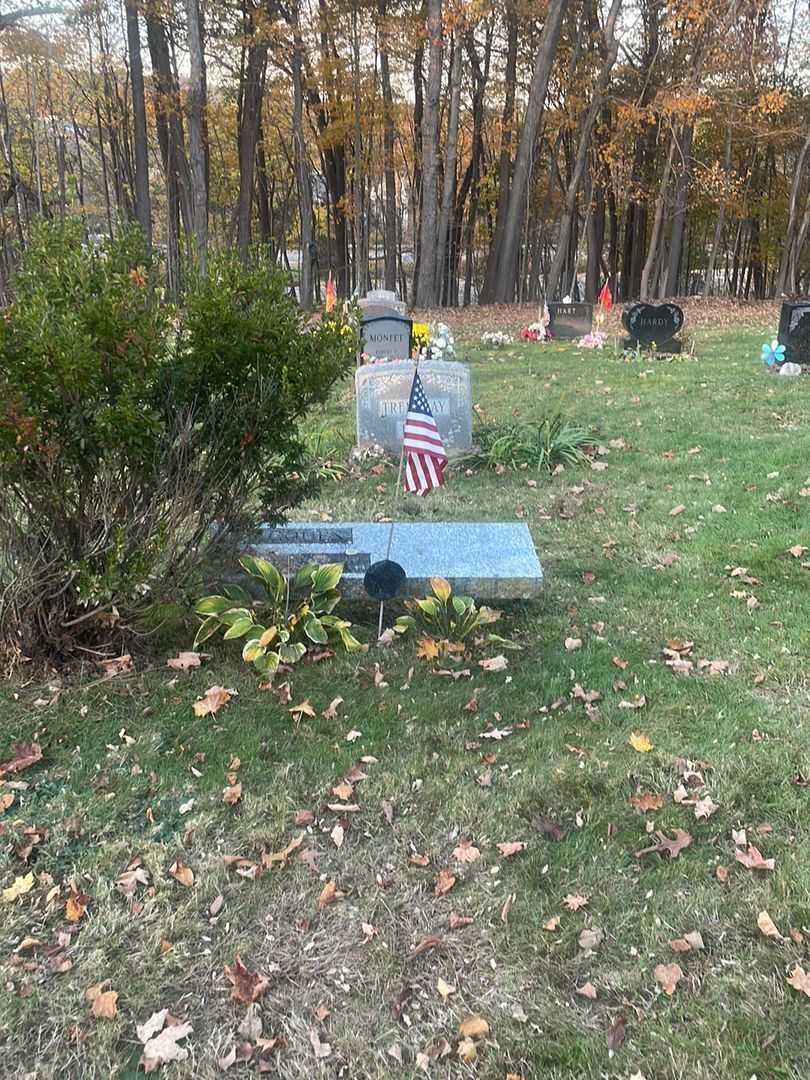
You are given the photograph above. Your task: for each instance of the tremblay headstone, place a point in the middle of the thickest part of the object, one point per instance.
(649, 324)
(386, 337)
(570, 320)
(382, 392)
(794, 331)
(486, 560)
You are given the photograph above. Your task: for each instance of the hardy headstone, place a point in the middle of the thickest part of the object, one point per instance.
(570, 320)
(383, 390)
(653, 324)
(486, 560)
(794, 331)
(386, 337)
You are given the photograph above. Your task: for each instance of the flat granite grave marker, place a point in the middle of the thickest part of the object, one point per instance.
(387, 337)
(794, 331)
(570, 319)
(383, 390)
(650, 324)
(486, 560)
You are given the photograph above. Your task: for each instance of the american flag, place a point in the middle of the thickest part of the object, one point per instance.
(425, 457)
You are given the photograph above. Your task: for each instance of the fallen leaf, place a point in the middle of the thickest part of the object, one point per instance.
(444, 883)
(116, 664)
(668, 976)
(337, 835)
(768, 926)
(511, 847)
(246, 986)
(213, 700)
(24, 755)
(495, 663)
(458, 922)
(76, 904)
(705, 807)
(330, 712)
(679, 509)
(673, 847)
(800, 980)
(721, 873)
(182, 873)
(425, 945)
(103, 1002)
(183, 661)
(466, 852)
(132, 877)
(444, 989)
(19, 887)
(270, 858)
(640, 743)
(647, 801)
(304, 709)
(163, 1048)
(547, 827)
(638, 702)
(572, 644)
(753, 859)
(427, 648)
(343, 790)
(591, 938)
(691, 942)
(616, 1033)
(473, 1027)
(553, 923)
(418, 860)
(466, 1052)
(353, 735)
(232, 794)
(587, 991)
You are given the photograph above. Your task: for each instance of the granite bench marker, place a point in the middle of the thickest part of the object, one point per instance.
(485, 560)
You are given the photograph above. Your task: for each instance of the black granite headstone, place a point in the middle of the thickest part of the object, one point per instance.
(653, 324)
(570, 320)
(794, 331)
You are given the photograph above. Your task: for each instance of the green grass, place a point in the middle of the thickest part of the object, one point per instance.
(119, 754)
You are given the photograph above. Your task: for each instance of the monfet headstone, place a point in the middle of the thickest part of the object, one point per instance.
(794, 331)
(386, 337)
(485, 560)
(383, 391)
(653, 324)
(569, 319)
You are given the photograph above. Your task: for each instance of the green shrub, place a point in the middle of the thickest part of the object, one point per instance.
(279, 628)
(135, 437)
(538, 446)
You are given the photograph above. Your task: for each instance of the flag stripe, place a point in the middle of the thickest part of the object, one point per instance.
(424, 450)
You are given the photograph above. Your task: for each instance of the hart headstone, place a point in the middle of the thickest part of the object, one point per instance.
(386, 337)
(653, 324)
(486, 560)
(570, 319)
(383, 390)
(794, 331)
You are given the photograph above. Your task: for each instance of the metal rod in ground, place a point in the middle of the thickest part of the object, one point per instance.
(379, 624)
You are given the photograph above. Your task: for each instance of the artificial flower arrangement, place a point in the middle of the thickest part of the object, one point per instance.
(420, 335)
(440, 345)
(774, 354)
(595, 340)
(536, 331)
(496, 339)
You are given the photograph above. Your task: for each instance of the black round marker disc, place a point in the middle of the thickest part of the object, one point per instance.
(383, 580)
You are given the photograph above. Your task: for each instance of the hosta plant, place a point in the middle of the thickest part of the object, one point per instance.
(292, 614)
(443, 616)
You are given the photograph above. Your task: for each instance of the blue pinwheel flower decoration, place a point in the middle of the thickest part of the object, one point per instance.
(773, 354)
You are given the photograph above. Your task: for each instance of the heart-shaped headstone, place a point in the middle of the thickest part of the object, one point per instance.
(649, 323)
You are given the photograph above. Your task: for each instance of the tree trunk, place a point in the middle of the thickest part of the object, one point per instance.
(426, 292)
(301, 165)
(390, 224)
(249, 123)
(708, 285)
(658, 222)
(143, 204)
(679, 211)
(196, 133)
(504, 288)
(449, 185)
(793, 219)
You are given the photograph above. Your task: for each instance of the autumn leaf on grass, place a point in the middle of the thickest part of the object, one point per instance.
(768, 926)
(705, 807)
(425, 945)
(800, 980)
(19, 887)
(232, 794)
(495, 663)
(574, 901)
(337, 835)
(76, 904)
(160, 1046)
(247, 986)
(457, 921)
(591, 937)
(553, 923)
(329, 894)
(132, 877)
(6, 799)
(185, 660)
(24, 755)
(103, 1002)
(511, 847)
(647, 801)
(444, 883)
(213, 700)
(344, 790)
(473, 1027)
(269, 858)
(466, 852)
(587, 991)
(427, 648)
(304, 709)
(691, 942)
(330, 713)
(616, 1034)
(673, 847)
(753, 859)
(668, 976)
(182, 873)
(640, 742)
(444, 988)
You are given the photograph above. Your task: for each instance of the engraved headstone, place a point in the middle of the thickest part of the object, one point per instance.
(487, 560)
(569, 319)
(383, 390)
(794, 331)
(386, 337)
(649, 324)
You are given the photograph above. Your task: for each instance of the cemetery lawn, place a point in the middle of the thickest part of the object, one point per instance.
(683, 536)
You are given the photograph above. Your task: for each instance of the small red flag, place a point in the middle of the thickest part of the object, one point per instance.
(331, 294)
(606, 298)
